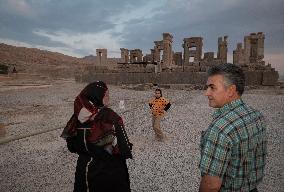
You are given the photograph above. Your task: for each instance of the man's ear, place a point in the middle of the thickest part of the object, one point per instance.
(232, 90)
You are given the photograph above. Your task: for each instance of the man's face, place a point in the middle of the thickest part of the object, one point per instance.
(157, 94)
(218, 95)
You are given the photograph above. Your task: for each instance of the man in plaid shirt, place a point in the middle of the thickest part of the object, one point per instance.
(234, 147)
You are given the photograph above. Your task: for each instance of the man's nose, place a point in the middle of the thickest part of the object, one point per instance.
(206, 92)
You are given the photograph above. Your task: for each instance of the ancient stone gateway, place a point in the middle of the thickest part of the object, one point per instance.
(136, 55)
(188, 44)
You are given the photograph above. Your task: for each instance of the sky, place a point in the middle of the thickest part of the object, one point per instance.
(79, 27)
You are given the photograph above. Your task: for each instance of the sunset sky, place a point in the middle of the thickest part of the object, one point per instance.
(79, 27)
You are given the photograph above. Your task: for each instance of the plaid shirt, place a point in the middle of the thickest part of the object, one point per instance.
(234, 147)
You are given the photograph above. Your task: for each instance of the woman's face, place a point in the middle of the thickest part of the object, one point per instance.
(106, 98)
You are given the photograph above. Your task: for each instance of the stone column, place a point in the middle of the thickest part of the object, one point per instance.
(101, 58)
(260, 46)
(222, 49)
(236, 53)
(152, 55)
(139, 55)
(178, 58)
(157, 50)
(124, 55)
(185, 52)
(239, 55)
(253, 47)
(167, 55)
(199, 49)
(247, 49)
(132, 56)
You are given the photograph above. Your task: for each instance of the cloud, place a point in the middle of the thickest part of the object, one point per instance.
(63, 50)
(20, 7)
(86, 42)
(146, 11)
(210, 20)
(83, 26)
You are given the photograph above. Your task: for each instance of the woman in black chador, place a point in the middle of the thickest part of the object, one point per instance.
(96, 133)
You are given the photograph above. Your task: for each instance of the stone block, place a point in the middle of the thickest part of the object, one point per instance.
(253, 77)
(270, 78)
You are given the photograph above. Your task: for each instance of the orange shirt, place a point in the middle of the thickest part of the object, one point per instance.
(158, 106)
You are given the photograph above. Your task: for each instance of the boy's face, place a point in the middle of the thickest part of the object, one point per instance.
(157, 94)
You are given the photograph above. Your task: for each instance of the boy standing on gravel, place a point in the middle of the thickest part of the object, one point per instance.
(234, 146)
(158, 106)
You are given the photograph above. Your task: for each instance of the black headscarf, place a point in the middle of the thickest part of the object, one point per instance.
(95, 93)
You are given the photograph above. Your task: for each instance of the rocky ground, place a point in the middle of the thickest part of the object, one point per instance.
(42, 162)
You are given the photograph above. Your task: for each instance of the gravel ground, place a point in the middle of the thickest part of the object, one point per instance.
(42, 162)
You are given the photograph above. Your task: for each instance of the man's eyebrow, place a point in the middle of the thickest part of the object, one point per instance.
(210, 85)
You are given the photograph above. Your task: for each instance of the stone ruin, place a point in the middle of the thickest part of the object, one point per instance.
(250, 58)
(188, 44)
(136, 56)
(164, 66)
(101, 59)
(166, 47)
(253, 51)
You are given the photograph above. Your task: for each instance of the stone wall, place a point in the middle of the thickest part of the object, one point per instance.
(270, 78)
(266, 78)
(252, 77)
(138, 78)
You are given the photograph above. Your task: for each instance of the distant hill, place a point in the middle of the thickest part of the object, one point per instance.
(32, 60)
(90, 58)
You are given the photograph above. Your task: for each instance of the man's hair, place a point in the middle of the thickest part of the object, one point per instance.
(159, 91)
(233, 75)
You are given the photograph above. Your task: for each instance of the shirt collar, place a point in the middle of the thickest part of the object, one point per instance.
(228, 107)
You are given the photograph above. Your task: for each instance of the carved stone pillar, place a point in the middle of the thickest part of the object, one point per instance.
(185, 53)
(222, 49)
(124, 55)
(167, 55)
(101, 58)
